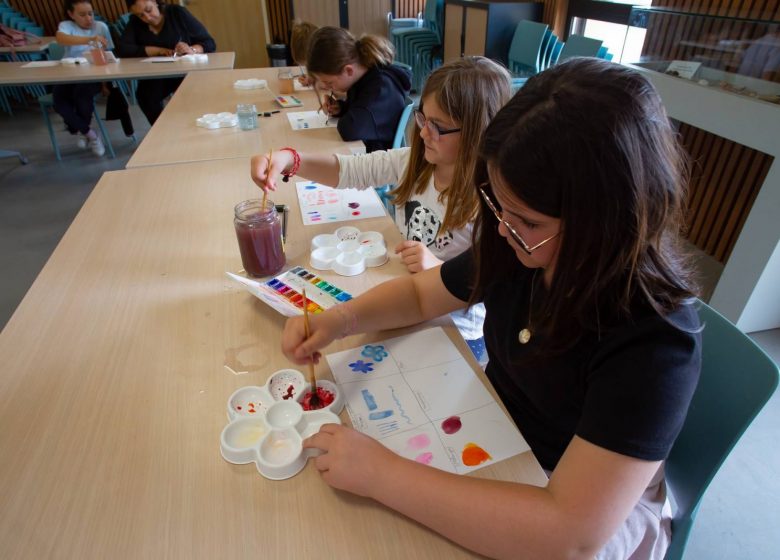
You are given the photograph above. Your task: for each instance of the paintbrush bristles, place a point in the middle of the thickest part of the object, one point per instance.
(312, 379)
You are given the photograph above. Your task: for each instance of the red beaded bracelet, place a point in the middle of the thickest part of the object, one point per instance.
(296, 165)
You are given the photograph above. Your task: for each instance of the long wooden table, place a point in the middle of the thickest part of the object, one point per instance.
(12, 73)
(175, 138)
(113, 390)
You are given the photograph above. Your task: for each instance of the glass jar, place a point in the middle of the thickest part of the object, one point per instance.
(259, 232)
(98, 55)
(247, 116)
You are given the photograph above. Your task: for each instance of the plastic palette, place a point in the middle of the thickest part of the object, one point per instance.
(267, 425)
(251, 83)
(348, 251)
(217, 120)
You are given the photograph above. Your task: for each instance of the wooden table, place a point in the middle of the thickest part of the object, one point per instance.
(32, 48)
(114, 388)
(175, 138)
(12, 73)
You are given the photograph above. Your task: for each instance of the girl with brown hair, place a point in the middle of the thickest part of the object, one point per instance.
(593, 338)
(435, 203)
(376, 90)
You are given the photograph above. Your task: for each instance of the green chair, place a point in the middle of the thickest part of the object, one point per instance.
(399, 141)
(737, 379)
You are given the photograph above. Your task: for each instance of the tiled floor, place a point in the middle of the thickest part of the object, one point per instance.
(740, 515)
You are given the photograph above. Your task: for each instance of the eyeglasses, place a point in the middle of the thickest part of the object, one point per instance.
(516, 236)
(433, 129)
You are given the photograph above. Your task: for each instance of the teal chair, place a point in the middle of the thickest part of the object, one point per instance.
(527, 51)
(737, 379)
(399, 141)
(420, 48)
(394, 23)
(579, 45)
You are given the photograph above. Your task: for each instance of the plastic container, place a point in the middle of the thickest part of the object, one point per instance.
(268, 424)
(277, 54)
(348, 251)
(97, 53)
(247, 116)
(217, 120)
(259, 232)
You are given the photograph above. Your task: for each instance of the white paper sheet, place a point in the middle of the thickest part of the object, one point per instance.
(40, 63)
(319, 203)
(303, 120)
(419, 397)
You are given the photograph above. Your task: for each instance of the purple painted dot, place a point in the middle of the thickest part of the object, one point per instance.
(353, 204)
(451, 425)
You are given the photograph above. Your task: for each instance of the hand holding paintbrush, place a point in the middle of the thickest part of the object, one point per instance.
(314, 401)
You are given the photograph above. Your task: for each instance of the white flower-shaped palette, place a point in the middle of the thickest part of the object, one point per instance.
(348, 251)
(268, 424)
(217, 120)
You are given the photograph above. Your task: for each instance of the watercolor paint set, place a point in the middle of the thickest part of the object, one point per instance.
(287, 101)
(267, 425)
(285, 291)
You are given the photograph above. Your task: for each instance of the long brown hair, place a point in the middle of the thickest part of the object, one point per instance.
(470, 90)
(332, 48)
(589, 142)
(300, 37)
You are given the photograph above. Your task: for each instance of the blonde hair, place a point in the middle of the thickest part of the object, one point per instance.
(332, 48)
(300, 37)
(470, 90)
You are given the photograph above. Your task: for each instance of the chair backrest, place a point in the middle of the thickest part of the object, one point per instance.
(737, 379)
(526, 47)
(56, 51)
(433, 16)
(399, 141)
(579, 45)
(604, 53)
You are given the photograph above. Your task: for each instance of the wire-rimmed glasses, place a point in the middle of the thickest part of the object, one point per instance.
(516, 236)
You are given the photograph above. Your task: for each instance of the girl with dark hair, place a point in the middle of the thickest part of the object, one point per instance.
(75, 102)
(376, 90)
(161, 30)
(435, 202)
(593, 339)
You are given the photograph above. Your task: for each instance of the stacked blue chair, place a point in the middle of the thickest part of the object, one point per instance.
(579, 45)
(527, 51)
(396, 23)
(737, 379)
(46, 101)
(420, 48)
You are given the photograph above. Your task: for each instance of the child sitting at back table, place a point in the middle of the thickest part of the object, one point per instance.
(435, 204)
(376, 90)
(300, 37)
(75, 102)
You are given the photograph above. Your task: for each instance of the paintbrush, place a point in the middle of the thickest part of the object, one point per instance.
(265, 192)
(314, 401)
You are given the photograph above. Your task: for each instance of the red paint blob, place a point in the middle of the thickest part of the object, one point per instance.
(238, 408)
(451, 425)
(325, 396)
(356, 213)
(289, 393)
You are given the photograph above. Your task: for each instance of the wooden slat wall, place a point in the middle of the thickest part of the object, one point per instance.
(280, 15)
(407, 8)
(49, 13)
(726, 176)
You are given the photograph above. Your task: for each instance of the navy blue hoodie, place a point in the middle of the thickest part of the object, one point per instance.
(374, 105)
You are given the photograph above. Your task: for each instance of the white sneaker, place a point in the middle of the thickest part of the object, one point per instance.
(96, 146)
(81, 142)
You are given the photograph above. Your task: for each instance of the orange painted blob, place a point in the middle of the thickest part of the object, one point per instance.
(474, 455)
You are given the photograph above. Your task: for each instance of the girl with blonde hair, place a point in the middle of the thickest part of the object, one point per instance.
(435, 202)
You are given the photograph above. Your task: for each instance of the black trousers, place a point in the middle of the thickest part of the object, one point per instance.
(74, 102)
(151, 93)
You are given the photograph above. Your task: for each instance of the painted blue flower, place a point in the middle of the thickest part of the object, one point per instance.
(362, 367)
(376, 353)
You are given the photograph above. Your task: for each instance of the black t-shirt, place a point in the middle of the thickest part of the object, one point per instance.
(179, 25)
(627, 391)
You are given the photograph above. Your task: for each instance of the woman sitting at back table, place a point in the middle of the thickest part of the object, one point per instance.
(161, 30)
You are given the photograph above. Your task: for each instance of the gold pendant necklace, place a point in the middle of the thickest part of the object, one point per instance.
(524, 336)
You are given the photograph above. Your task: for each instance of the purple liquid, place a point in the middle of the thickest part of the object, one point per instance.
(261, 247)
